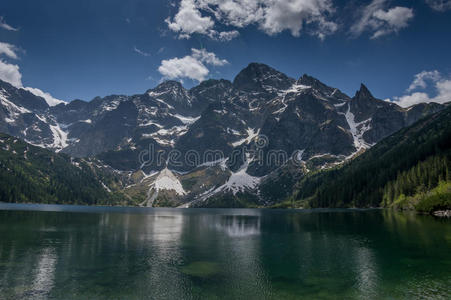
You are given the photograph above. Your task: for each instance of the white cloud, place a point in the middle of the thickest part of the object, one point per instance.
(226, 36)
(8, 50)
(441, 86)
(374, 18)
(292, 15)
(412, 99)
(6, 26)
(10, 73)
(271, 16)
(234, 13)
(420, 79)
(439, 5)
(141, 52)
(189, 20)
(191, 66)
(48, 98)
(208, 57)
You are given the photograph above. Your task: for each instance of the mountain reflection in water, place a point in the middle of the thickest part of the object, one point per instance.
(229, 253)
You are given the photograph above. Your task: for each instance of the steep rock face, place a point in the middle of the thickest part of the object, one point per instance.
(262, 114)
(174, 95)
(261, 78)
(383, 118)
(374, 178)
(23, 98)
(419, 111)
(208, 92)
(24, 115)
(107, 132)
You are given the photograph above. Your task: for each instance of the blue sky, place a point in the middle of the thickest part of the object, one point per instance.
(84, 48)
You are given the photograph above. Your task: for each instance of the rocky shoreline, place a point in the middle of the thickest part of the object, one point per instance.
(442, 213)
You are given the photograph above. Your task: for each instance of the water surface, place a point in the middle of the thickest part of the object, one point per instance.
(73, 252)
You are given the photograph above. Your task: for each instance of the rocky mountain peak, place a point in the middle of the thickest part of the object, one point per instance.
(169, 85)
(261, 77)
(171, 88)
(172, 93)
(313, 82)
(363, 93)
(212, 83)
(22, 97)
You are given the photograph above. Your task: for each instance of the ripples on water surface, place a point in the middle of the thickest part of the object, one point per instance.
(117, 253)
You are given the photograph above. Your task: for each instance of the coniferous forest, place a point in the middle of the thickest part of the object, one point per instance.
(33, 175)
(409, 167)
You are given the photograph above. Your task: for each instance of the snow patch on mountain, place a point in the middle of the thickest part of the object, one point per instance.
(295, 88)
(59, 138)
(220, 161)
(149, 123)
(176, 130)
(111, 105)
(166, 104)
(239, 181)
(340, 104)
(357, 129)
(166, 180)
(13, 110)
(187, 120)
(251, 135)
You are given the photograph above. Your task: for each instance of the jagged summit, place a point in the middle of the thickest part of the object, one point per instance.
(363, 93)
(258, 77)
(168, 85)
(216, 115)
(313, 82)
(22, 96)
(213, 82)
(172, 93)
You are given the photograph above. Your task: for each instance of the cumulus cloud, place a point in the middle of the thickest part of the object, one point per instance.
(191, 66)
(189, 20)
(208, 57)
(440, 84)
(379, 21)
(292, 15)
(48, 98)
(10, 73)
(4, 25)
(439, 5)
(270, 16)
(421, 78)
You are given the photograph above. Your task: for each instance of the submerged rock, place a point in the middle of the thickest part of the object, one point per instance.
(201, 269)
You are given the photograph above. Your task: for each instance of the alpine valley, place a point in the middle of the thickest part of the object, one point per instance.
(92, 152)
